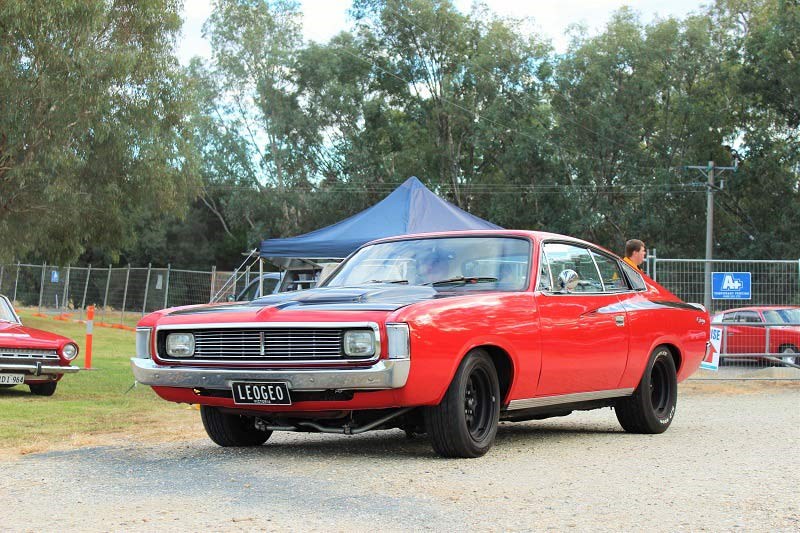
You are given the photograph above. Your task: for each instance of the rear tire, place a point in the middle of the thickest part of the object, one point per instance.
(789, 354)
(43, 389)
(464, 424)
(651, 408)
(231, 430)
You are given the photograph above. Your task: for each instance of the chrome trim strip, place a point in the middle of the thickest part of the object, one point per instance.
(385, 374)
(39, 369)
(345, 359)
(559, 399)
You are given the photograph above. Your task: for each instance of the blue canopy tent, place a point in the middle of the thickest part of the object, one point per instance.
(411, 208)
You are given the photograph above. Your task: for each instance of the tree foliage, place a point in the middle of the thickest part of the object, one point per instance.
(91, 124)
(286, 136)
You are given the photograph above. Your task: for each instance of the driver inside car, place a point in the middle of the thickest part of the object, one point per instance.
(432, 267)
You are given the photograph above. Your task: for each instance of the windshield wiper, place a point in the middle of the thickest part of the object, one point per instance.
(388, 281)
(461, 279)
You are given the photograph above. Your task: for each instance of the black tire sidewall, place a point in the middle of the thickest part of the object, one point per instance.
(460, 441)
(662, 358)
(43, 389)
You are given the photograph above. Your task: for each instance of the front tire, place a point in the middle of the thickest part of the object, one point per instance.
(651, 408)
(43, 389)
(231, 430)
(464, 424)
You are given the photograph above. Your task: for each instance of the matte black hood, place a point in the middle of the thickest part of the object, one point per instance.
(377, 297)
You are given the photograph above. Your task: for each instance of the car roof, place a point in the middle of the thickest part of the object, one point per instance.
(760, 308)
(537, 236)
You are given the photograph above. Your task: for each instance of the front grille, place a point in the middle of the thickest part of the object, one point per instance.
(317, 344)
(17, 354)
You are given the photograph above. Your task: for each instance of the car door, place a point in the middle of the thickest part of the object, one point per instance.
(584, 332)
(745, 336)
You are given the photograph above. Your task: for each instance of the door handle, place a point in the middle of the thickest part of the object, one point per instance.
(620, 320)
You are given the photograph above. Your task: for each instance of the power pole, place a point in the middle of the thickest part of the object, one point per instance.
(710, 172)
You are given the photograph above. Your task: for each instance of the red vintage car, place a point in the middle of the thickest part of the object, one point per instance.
(31, 356)
(444, 334)
(751, 331)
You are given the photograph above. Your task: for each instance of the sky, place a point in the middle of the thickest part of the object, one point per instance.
(323, 19)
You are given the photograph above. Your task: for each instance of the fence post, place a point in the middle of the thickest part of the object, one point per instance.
(213, 282)
(166, 287)
(2, 268)
(146, 288)
(16, 282)
(66, 291)
(85, 288)
(105, 298)
(655, 265)
(41, 287)
(247, 276)
(125, 294)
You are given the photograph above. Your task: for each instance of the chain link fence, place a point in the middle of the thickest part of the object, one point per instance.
(760, 334)
(756, 343)
(117, 292)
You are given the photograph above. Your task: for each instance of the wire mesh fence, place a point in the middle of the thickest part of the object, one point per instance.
(760, 327)
(760, 349)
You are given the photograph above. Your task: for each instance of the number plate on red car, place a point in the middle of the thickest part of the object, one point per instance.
(12, 379)
(269, 393)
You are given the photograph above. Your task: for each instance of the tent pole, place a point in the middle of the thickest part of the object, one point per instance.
(260, 276)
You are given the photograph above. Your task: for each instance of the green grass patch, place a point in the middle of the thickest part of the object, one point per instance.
(94, 401)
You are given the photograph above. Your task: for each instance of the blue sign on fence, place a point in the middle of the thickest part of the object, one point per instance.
(54, 276)
(730, 285)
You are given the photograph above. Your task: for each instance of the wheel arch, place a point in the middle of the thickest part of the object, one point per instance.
(677, 357)
(503, 364)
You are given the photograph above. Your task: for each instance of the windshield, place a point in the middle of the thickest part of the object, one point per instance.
(457, 263)
(784, 316)
(6, 313)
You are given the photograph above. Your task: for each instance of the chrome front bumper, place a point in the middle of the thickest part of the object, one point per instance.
(37, 369)
(385, 374)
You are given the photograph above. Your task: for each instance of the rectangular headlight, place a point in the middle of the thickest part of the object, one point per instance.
(399, 343)
(143, 342)
(359, 343)
(180, 344)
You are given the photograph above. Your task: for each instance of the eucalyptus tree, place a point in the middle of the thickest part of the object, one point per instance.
(457, 100)
(92, 119)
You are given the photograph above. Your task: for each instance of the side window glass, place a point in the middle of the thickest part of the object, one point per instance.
(612, 277)
(269, 285)
(545, 283)
(570, 257)
(634, 277)
(249, 293)
(729, 317)
(748, 316)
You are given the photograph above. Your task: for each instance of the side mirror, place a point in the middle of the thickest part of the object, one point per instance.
(568, 280)
(231, 298)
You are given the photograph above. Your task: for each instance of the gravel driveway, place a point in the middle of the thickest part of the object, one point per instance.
(730, 461)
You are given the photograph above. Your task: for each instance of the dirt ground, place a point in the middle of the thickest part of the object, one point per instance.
(730, 461)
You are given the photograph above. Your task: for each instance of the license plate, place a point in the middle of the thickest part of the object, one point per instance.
(12, 379)
(270, 393)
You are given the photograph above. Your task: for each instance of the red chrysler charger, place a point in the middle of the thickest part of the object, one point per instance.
(444, 334)
(32, 356)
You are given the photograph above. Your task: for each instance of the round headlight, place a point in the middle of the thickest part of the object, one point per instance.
(70, 351)
(359, 343)
(180, 345)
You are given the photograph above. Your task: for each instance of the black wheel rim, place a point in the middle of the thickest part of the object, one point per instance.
(660, 388)
(478, 404)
